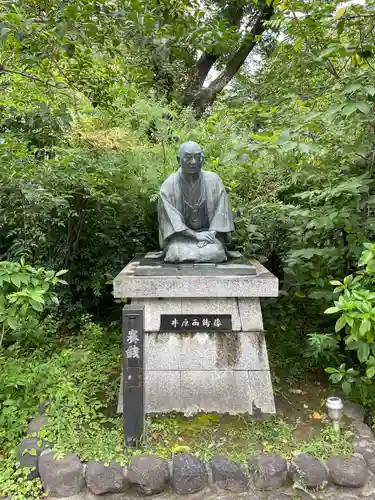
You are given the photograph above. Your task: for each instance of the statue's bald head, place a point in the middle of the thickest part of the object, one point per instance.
(190, 158)
(189, 147)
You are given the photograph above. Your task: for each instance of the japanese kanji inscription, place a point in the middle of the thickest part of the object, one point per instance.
(133, 339)
(195, 323)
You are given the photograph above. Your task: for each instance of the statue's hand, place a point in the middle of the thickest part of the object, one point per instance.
(205, 237)
(202, 244)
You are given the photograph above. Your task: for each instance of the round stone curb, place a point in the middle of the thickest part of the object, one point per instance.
(308, 471)
(268, 476)
(228, 475)
(350, 472)
(28, 453)
(268, 471)
(61, 476)
(150, 475)
(189, 474)
(105, 478)
(37, 424)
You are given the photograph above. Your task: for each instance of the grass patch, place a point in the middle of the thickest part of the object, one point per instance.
(240, 437)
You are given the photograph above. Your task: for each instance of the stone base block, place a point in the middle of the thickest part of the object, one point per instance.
(212, 372)
(208, 371)
(190, 392)
(205, 351)
(182, 284)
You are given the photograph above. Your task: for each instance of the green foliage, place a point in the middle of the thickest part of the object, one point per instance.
(77, 377)
(100, 47)
(323, 348)
(87, 208)
(25, 294)
(355, 324)
(310, 124)
(239, 437)
(89, 127)
(90, 121)
(39, 119)
(76, 116)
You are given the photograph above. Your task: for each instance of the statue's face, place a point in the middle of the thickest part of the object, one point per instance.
(191, 159)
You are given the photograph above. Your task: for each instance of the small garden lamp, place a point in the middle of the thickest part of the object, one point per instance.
(335, 407)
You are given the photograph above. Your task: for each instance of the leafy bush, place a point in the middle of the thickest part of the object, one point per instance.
(25, 294)
(86, 211)
(77, 378)
(355, 326)
(323, 348)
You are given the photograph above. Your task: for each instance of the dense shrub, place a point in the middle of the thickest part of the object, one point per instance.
(85, 210)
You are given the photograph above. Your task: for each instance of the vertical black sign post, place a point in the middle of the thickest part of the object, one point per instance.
(133, 403)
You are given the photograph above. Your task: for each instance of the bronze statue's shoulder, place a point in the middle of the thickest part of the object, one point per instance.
(210, 176)
(169, 181)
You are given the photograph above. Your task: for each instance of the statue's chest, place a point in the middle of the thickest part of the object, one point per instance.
(194, 207)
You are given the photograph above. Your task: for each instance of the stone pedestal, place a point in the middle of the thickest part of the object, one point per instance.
(224, 372)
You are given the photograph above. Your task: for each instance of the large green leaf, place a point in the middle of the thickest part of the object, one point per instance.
(350, 108)
(346, 387)
(370, 372)
(365, 326)
(363, 352)
(340, 323)
(353, 87)
(340, 12)
(12, 322)
(332, 310)
(364, 107)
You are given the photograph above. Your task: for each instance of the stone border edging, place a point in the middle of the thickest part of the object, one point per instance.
(186, 474)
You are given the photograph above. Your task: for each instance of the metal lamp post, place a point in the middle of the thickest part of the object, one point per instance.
(335, 407)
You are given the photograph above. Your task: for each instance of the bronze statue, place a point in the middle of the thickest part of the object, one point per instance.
(195, 217)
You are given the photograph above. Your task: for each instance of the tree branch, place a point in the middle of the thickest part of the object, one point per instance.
(359, 16)
(204, 65)
(32, 77)
(364, 158)
(233, 13)
(207, 95)
(332, 70)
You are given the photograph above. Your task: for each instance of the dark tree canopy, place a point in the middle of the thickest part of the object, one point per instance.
(171, 46)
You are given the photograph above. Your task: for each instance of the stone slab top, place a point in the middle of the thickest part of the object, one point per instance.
(155, 266)
(129, 285)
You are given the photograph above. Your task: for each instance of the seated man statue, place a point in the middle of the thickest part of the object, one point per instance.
(195, 218)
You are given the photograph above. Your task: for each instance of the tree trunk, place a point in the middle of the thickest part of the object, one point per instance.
(203, 97)
(198, 76)
(233, 13)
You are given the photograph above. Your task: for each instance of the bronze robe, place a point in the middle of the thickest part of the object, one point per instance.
(181, 207)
